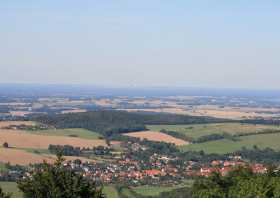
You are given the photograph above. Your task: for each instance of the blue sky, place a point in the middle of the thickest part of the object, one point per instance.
(141, 43)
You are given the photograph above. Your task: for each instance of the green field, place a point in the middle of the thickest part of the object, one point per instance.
(110, 192)
(11, 187)
(198, 130)
(79, 132)
(153, 190)
(2, 167)
(37, 151)
(228, 146)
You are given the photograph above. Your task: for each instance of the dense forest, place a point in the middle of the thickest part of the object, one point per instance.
(114, 122)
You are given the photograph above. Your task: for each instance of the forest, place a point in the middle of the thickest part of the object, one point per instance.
(109, 123)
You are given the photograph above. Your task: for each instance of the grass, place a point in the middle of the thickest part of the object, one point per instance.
(11, 187)
(3, 167)
(198, 130)
(228, 146)
(110, 192)
(156, 190)
(37, 151)
(152, 190)
(78, 132)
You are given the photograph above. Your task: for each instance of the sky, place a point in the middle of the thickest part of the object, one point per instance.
(143, 43)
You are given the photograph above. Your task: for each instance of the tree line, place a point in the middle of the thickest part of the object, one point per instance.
(109, 122)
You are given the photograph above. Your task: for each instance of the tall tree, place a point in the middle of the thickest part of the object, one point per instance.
(56, 181)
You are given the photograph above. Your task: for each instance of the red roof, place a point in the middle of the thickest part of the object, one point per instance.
(152, 172)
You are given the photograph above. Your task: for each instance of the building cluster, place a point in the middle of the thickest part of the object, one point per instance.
(225, 167)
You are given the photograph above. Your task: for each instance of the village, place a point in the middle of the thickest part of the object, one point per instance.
(132, 170)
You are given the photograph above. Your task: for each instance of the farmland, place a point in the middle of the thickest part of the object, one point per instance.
(198, 130)
(25, 157)
(21, 139)
(21, 157)
(225, 145)
(157, 136)
(72, 132)
(228, 146)
(4, 124)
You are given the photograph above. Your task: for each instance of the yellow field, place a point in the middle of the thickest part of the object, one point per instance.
(158, 137)
(22, 157)
(4, 124)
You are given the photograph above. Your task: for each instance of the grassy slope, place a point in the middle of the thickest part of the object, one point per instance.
(199, 130)
(11, 187)
(109, 191)
(227, 146)
(82, 133)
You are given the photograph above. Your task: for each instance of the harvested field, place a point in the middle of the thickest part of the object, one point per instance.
(158, 137)
(20, 113)
(22, 157)
(74, 111)
(4, 124)
(22, 139)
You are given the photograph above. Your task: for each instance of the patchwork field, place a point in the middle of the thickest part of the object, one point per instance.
(198, 130)
(21, 139)
(25, 157)
(228, 146)
(27, 147)
(157, 136)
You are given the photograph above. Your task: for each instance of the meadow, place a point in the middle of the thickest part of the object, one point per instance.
(70, 132)
(228, 146)
(197, 130)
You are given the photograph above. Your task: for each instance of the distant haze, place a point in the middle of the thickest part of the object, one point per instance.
(143, 43)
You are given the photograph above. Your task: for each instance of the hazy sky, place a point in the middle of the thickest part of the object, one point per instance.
(141, 43)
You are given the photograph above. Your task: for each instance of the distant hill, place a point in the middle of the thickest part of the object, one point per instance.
(115, 122)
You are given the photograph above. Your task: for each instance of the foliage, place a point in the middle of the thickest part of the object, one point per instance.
(114, 122)
(241, 183)
(177, 135)
(55, 181)
(5, 145)
(265, 156)
(215, 136)
(69, 150)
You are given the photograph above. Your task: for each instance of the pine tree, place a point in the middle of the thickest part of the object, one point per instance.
(56, 181)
